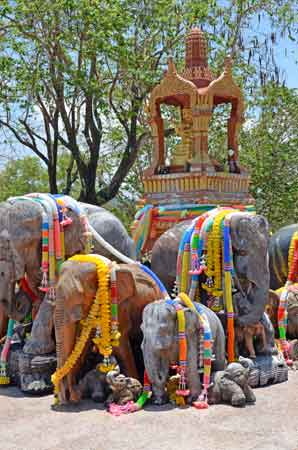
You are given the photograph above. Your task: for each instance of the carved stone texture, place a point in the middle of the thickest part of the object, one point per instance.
(35, 373)
(231, 386)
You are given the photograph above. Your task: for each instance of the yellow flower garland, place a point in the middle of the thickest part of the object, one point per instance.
(99, 316)
(214, 253)
(291, 250)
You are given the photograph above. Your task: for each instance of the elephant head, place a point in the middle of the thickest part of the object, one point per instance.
(11, 270)
(20, 251)
(237, 373)
(250, 238)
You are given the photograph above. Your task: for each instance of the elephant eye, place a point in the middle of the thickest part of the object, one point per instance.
(2, 274)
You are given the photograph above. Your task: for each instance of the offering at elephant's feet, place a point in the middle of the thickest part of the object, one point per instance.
(200, 404)
(118, 410)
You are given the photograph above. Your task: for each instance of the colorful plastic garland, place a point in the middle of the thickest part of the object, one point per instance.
(208, 242)
(149, 216)
(282, 313)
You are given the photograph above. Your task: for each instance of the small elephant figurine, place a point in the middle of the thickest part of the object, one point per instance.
(231, 385)
(247, 333)
(93, 385)
(124, 389)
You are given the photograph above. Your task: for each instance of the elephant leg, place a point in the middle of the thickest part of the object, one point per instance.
(125, 354)
(41, 341)
(238, 398)
(249, 394)
(193, 379)
(232, 392)
(67, 336)
(248, 337)
(219, 351)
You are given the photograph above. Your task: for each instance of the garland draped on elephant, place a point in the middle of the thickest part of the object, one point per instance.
(20, 256)
(160, 345)
(283, 264)
(249, 240)
(247, 244)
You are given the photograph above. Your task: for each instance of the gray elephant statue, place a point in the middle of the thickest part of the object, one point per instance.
(160, 346)
(124, 389)
(249, 239)
(278, 255)
(249, 236)
(20, 257)
(231, 386)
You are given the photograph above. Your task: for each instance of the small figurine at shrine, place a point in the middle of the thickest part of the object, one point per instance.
(183, 151)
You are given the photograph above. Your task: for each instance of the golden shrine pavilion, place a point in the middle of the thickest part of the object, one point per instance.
(189, 182)
(191, 174)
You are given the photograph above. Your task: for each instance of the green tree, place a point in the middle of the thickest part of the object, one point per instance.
(29, 174)
(22, 176)
(75, 73)
(269, 149)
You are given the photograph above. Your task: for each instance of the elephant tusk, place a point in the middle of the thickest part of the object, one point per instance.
(109, 247)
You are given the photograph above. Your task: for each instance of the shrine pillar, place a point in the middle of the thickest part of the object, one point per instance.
(157, 132)
(202, 113)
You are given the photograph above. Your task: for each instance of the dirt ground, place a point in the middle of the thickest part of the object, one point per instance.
(28, 423)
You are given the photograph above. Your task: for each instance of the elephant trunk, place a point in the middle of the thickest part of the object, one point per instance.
(256, 302)
(157, 366)
(60, 348)
(111, 376)
(19, 305)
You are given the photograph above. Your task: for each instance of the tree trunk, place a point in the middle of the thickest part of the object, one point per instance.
(52, 173)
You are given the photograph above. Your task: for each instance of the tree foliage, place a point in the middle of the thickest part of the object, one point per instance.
(75, 74)
(269, 149)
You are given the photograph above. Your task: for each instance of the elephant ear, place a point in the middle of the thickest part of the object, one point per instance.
(74, 235)
(250, 237)
(126, 283)
(9, 252)
(245, 227)
(76, 289)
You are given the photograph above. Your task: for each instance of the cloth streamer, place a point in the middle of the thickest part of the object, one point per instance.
(208, 242)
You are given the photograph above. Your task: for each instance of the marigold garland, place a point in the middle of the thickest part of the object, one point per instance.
(291, 250)
(214, 253)
(99, 317)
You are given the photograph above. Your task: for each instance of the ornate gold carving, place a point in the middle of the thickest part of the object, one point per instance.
(171, 86)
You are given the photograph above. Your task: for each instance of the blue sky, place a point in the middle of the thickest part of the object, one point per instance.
(288, 61)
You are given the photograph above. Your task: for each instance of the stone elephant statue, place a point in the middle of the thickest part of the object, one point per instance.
(76, 290)
(20, 256)
(249, 239)
(231, 386)
(124, 389)
(292, 311)
(160, 345)
(278, 255)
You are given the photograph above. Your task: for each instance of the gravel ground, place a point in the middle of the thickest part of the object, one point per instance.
(28, 423)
